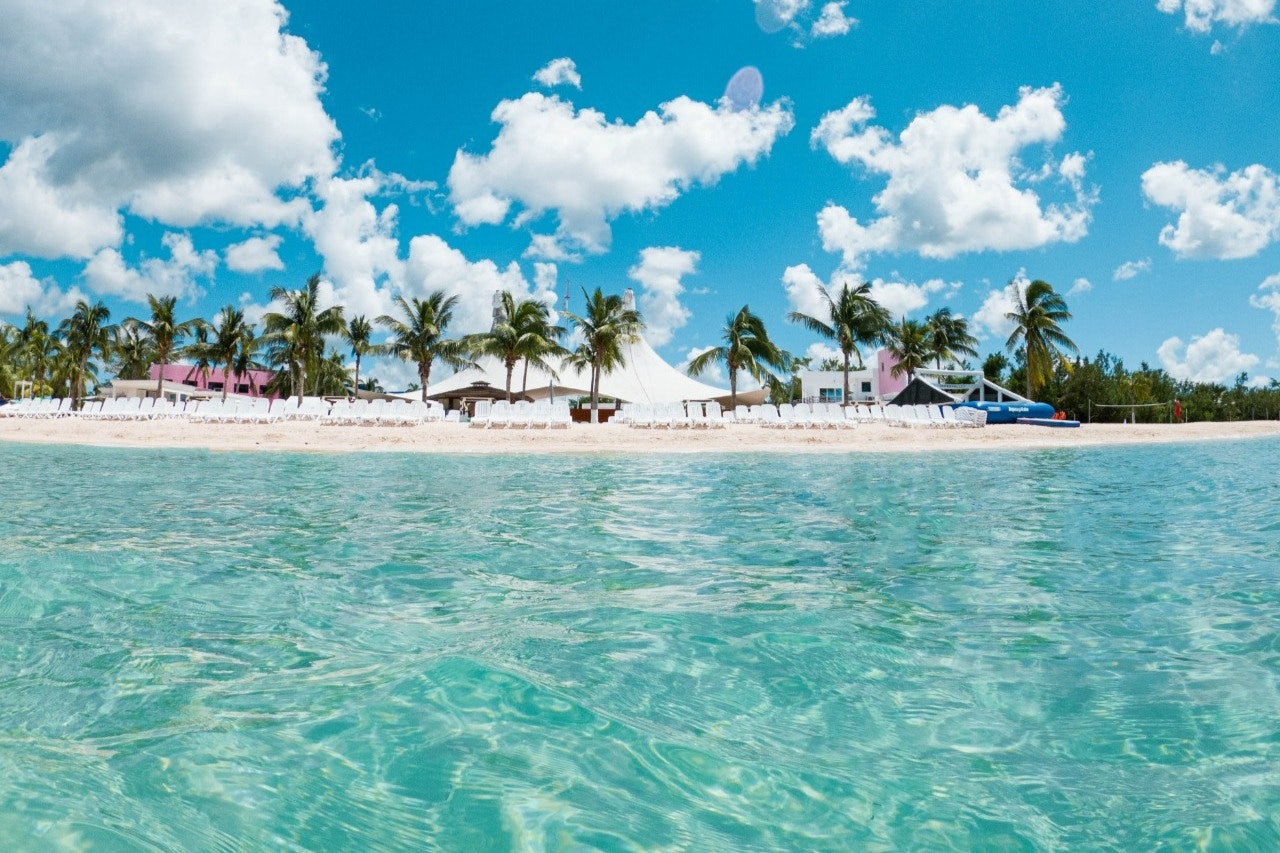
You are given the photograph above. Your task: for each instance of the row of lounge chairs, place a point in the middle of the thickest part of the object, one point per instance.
(232, 410)
(796, 415)
(543, 414)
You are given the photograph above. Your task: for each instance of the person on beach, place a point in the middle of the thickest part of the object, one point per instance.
(1177, 411)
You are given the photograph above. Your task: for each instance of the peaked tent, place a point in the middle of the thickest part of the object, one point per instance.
(644, 378)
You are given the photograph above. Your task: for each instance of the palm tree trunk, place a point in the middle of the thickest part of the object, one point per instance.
(226, 378)
(733, 388)
(160, 379)
(524, 383)
(844, 401)
(357, 374)
(595, 392)
(424, 376)
(1027, 358)
(511, 366)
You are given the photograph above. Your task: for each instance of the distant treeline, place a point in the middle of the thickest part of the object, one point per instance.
(1105, 380)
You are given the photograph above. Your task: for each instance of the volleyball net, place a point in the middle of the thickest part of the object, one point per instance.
(1133, 415)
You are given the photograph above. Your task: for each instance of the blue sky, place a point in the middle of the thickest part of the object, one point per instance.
(1124, 152)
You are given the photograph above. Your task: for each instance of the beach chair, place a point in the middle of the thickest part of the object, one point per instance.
(521, 415)
(697, 415)
(716, 416)
(500, 415)
(480, 419)
(561, 418)
(768, 416)
(540, 416)
(435, 411)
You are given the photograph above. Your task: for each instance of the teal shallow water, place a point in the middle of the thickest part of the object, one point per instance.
(1049, 650)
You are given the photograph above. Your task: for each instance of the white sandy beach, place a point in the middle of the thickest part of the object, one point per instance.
(605, 438)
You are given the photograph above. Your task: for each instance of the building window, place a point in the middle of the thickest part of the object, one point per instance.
(830, 395)
(866, 387)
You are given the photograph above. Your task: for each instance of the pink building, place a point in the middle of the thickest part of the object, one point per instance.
(250, 383)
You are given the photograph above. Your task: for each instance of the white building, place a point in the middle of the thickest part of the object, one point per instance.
(875, 382)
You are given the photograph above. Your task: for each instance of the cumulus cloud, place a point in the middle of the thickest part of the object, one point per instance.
(1080, 285)
(121, 113)
(904, 297)
(550, 156)
(956, 180)
(1213, 357)
(1268, 299)
(832, 21)
(660, 274)
(357, 241)
(20, 290)
(1201, 15)
(819, 352)
(435, 265)
(254, 255)
(1221, 215)
(990, 319)
(107, 272)
(559, 72)
(1131, 269)
(713, 375)
(804, 290)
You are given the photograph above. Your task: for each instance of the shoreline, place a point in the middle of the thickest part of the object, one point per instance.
(309, 437)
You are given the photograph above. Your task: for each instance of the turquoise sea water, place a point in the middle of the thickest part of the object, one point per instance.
(1001, 651)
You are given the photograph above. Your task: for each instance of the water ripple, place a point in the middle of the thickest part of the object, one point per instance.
(1052, 650)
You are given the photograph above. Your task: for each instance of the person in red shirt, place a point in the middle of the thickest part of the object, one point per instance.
(1177, 411)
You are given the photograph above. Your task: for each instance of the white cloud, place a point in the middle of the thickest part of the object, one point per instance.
(990, 319)
(956, 182)
(1080, 285)
(901, 298)
(547, 248)
(1201, 15)
(357, 242)
(1268, 298)
(1213, 357)
(549, 156)
(819, 352)
(107, 273)
(20, 290)
(659, 274)
(713, 375)
(1221, 215)
(183, 114)
(559, 72)
(804, 292)
(802, 286)
(832, 21)
(254, 255)
(1131, 269)
(435, 265)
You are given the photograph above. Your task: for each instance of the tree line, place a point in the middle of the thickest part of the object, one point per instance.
(297, 346)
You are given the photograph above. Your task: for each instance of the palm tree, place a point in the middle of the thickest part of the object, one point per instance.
(610, 322)
(166, 333)
(132, 351)
(419, 337)
(331, 374)
(746, 347)
(10, 348)
(853, 317)
(357, 334)
(908, 343)
(296, 334)
(948, 337)
(38, 351)
(200, 352)
(521, 330)
(85, 333)
(244, 361)
(229, 332)
(1038, 316)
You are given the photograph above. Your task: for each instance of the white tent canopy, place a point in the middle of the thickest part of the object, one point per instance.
(645, 378)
